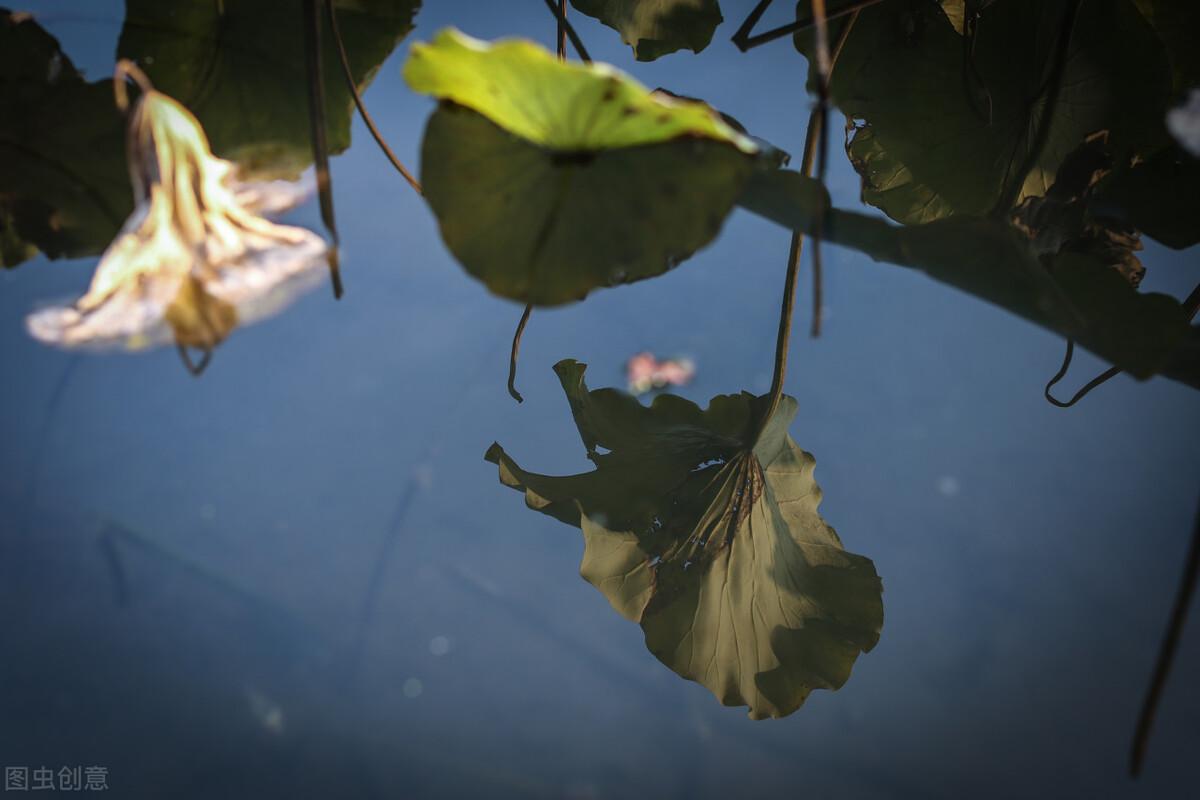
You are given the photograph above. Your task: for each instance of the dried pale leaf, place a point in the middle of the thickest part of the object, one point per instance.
(193, 259)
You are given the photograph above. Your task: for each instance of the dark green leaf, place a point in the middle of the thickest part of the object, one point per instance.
(240, 68)
(547, 228)
(944, 126)
(63, 184)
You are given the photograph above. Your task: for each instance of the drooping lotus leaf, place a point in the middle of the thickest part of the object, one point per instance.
(550, 179)
(240, 68)
(1072, 293)
(655, 28)
(927, 147)
(702, 526)
(63, 186)
(194, 259)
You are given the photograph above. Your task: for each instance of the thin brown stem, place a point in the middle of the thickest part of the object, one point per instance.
(317, 134)
(516, 349)
(576, 42)
(783, 335)
(823, 69)
(744, 41)
(813, 135)
(358, 101)
(1166, 652)
(562, 30)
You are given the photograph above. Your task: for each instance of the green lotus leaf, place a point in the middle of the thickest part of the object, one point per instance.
(655, 28)
(701, 525)
(1074, 293)
(944, 128)
(564, 106)
(240, 68)
(551, 179)
(63, 184)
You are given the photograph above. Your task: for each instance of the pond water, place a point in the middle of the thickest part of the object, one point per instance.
(296, 576)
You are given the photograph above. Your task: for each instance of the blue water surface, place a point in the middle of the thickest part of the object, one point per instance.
(297, 577)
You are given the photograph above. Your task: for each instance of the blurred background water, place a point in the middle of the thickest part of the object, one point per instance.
(297, 576)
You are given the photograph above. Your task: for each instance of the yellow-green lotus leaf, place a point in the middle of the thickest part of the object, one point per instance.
(568, 106)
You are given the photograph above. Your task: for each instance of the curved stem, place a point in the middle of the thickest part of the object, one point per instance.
(194, 367)
(1191, 305)
(516, 348)
(126, 69)
(358, 101)
(1103, 377)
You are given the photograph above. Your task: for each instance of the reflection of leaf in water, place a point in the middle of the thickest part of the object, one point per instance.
(655, 28)
(1072, 293)
(924, 152)
(62, 163)
(704, 529)
(239, 67)
(194, 259)
(551, 179)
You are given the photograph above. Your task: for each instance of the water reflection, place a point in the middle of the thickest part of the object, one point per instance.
(476, 661)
